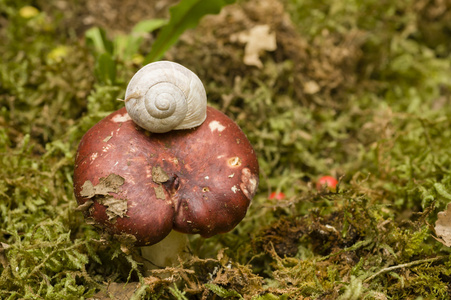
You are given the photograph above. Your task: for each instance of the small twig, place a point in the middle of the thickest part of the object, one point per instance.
(406, 265)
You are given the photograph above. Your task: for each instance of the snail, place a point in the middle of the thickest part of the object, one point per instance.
(164, 96)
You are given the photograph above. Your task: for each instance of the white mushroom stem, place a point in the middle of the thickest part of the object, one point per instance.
(166, 253)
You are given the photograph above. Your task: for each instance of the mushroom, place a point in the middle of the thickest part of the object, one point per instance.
(149, 186)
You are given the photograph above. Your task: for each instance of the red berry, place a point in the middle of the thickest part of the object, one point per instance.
(328, 181)
(277, 196)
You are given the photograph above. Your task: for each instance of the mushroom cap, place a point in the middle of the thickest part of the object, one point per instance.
(133, 182)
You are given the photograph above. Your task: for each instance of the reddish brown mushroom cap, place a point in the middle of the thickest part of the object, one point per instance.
(131, 181)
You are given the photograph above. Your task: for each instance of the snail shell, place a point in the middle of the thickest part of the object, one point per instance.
(164, 96)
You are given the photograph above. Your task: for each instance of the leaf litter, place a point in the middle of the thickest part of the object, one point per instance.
(443, 226)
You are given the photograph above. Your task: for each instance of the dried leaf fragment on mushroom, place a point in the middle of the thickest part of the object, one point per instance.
(110, 184)
(159, 175)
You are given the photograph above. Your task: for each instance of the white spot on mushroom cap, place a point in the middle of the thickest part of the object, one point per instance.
(234, 189)
(94, 156)
(107, 147)
(248, 183)
(121, 118)
(215, 125)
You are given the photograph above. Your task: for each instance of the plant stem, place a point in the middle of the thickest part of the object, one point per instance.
(406, 265)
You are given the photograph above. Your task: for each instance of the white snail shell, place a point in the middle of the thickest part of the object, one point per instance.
(164, 96)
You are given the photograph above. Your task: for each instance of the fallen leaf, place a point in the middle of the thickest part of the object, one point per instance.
(443, 226)
(257, 40)
(3, 259)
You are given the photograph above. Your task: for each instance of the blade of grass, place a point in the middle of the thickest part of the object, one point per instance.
(184, 15)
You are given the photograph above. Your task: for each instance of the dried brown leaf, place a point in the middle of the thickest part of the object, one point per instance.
(443, 226)
(257, 40)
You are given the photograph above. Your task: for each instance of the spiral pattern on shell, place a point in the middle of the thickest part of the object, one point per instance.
(164, 96)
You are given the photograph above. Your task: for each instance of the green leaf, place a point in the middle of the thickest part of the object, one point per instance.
(105, 68)
(222, 292)
(140, 293)
(179, 295)
(96, 37)
(270, 297)
(147, 26)
(184, 15)
(127, 46)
